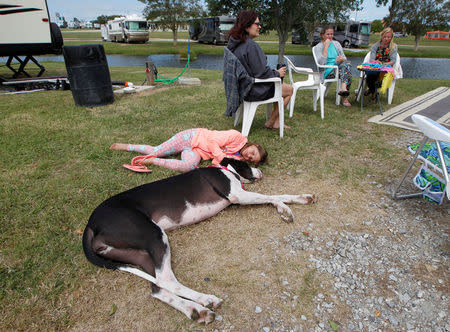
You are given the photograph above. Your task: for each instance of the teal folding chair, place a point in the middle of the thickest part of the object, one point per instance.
(435, 159)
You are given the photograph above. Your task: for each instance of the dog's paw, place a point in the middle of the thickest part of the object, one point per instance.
(285, 212)
(203, 316)
(312, 199)
(306, 199)
(212, 302)
(287, 218)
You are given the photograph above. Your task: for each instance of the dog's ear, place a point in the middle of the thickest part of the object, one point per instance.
(242, 170)
(233, 162)
(224, 162)
(227, 161)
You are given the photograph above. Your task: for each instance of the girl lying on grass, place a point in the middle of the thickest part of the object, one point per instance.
(194, 145)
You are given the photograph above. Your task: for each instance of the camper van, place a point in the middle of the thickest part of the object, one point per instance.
(126, 29)
(351, 33)
(211, 29)
(27, 30)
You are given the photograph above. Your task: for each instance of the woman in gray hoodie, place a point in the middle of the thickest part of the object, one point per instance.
(251, 56)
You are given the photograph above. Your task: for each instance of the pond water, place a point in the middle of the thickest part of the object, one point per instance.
(429, 68)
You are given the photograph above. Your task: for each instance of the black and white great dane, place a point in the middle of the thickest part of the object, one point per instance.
(129, 229)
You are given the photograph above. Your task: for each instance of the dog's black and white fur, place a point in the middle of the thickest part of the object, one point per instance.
(130, 228)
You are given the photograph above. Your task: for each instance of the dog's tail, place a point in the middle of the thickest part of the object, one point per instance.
(92, 257)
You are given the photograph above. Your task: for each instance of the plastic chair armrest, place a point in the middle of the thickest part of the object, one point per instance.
(299, 70)
(327, 66)
(271, 79)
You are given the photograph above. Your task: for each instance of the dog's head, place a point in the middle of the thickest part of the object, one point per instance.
(245, 173)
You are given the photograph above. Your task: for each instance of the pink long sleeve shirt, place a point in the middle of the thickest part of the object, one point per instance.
(216, 145)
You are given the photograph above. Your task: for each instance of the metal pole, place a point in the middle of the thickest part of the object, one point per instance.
(189, 53)
(411, 164)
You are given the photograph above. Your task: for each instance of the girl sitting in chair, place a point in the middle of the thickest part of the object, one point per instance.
(383, 52)
(330, 52)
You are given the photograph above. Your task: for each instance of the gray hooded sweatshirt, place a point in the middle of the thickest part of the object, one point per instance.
(254, 61)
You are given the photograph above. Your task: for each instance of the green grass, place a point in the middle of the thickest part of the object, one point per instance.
(56, 168)
(427, 48)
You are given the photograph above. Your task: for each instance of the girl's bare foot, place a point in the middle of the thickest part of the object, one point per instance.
(142, 160)
(147, 161)
(119, 146)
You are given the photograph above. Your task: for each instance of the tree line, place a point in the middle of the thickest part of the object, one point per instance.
(416, 16)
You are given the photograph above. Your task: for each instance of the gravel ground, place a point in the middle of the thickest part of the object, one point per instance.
(392, 276)
(392, 280)
(396, 281)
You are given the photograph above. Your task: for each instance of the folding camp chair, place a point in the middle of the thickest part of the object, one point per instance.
(439, 161)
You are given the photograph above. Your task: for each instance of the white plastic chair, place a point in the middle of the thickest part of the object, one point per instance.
(398, 73)
(312, 83)
(247, 109)
(327, 81)
(432, 131)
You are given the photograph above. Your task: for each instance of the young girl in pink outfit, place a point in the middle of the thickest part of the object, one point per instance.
(194, 145)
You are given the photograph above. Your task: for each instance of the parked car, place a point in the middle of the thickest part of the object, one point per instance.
(400, 34)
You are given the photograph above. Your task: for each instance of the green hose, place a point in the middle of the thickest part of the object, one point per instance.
(173, 80)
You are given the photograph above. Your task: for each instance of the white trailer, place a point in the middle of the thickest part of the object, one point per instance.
(126, 29)
(104, 31)
(27, 31)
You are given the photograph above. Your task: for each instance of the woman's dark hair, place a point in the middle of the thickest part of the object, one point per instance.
(244, 20)
(325, 28)
(262, 152)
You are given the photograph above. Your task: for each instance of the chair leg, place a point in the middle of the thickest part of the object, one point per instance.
(292, 103)
(322, 106)
(411, 164)
(360, 90)
(247, 119)
(444, 168)
(315, 95)
(338, 97)
(327, 88)
(281, 117)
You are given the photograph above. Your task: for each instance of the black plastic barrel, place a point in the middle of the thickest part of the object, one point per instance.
(88, 73)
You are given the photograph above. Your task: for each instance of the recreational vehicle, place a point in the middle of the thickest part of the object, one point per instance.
(351, 33)
(211, 29)
(126, 29)
(27, 31)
